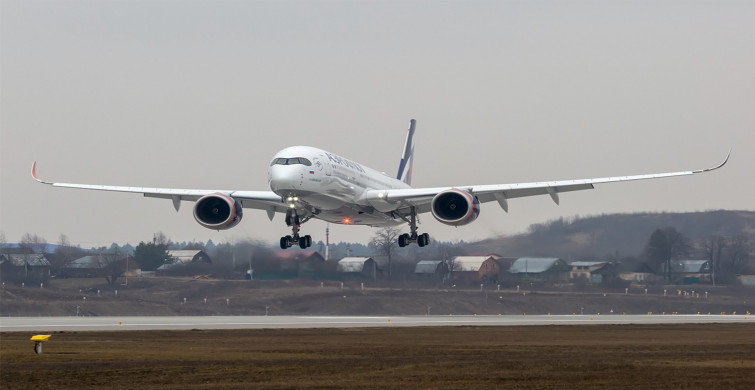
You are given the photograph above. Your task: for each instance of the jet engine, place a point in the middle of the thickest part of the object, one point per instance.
(218, 212)
(455, 207)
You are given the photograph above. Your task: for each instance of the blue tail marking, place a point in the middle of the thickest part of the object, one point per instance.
(407, 159)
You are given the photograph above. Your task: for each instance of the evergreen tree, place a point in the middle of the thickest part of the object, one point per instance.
(151, 255)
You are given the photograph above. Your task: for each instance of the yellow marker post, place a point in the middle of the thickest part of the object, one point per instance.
(38, 340)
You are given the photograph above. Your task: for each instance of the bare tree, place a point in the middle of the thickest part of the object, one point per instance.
(64, 253)
(385, 241)
(160, 238)
(33, 242)
(712, 248)
(2, 243)
(665, 244)
(739, 253)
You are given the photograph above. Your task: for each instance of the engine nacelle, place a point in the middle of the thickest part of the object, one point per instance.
(455, 207)
(218, 212)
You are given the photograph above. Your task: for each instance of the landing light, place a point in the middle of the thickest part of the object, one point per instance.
(347, 221)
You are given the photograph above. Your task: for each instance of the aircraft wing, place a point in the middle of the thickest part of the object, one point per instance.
(263, 200)
(420, 198)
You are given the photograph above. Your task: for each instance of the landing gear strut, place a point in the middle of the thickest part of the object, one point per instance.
(408, 238)
(293, 220)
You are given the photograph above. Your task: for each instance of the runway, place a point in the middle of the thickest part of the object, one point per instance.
(50, 324)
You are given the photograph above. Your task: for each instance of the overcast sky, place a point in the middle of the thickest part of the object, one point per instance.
(201, 94)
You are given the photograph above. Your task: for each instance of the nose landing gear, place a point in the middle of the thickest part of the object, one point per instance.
(293, 220)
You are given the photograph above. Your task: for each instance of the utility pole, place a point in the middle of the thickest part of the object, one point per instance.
(233, 254)
(327, 240)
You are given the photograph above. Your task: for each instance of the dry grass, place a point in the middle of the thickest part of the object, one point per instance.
(164, 296)
(598, 357)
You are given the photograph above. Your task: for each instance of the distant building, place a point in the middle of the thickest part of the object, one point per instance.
(589, 271)
(540, 269)
(746, 280)
(24, 268)
(187, 256)
(689, 271)
(358, 268)
(88, 267)
(179, 260)
(635, 272)
(432, 270)
(483, 269)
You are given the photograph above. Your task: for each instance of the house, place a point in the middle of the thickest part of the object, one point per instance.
(475, 269)
(746, 280)
(179, 260)
(358, 268)
(540, 269)
(187, 256)
(635, 272)
(432, 270)
(689, 271)
(588, 271)
(88, 267)
(24, 268)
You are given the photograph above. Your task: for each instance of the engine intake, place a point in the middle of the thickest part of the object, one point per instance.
(455, 207)
(218, 211)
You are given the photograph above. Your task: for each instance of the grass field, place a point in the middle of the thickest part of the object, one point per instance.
(167, 296)
(585, 357)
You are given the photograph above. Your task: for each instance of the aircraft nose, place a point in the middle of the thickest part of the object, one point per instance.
(285, 178)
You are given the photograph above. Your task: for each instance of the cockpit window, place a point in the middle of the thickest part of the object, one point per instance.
(291, 161)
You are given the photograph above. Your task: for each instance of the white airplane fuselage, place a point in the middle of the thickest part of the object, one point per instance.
(329, 186)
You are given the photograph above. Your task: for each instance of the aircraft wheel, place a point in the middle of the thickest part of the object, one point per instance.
(284, 243)
(402, 240)
(421, 240)
(303, 242)
(309, 240)
(427, 238)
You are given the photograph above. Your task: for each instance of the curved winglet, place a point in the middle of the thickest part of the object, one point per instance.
(717, 166)
(34, 174)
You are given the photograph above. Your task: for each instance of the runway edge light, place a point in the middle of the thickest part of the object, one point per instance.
(38, 340)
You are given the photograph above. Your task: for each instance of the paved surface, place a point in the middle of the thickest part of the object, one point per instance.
(9, 324)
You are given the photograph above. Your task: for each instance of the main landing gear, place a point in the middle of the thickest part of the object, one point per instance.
(408, 238)
(294, 222)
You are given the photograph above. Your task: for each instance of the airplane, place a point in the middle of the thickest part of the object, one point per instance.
(308, 182)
